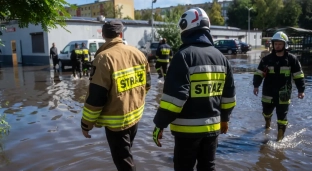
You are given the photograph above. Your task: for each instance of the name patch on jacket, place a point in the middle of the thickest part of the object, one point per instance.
(207, 88)
(130, 78)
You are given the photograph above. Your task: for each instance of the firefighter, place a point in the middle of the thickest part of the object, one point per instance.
(76, 58)
(198, 95)
(277, 70)
(163, 55)
(86, 60)
(119, 80)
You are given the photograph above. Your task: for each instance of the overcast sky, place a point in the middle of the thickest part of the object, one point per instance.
(143, 4)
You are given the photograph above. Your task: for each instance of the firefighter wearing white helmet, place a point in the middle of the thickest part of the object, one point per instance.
(277, 70)
(198, 95)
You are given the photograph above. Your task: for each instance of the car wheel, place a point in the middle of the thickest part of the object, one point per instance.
(230, 52)
(61, 65)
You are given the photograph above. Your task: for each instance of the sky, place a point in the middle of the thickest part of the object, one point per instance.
(144, 4)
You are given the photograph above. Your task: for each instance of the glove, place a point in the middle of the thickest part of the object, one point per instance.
(224, 127)
(157, 134)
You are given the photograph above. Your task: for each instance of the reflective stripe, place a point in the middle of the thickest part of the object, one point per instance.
(170, 57)
(281, 122)
(90, 115)
(284, 102)
(207, 68)
(78, 51)
(228, 100)
(271, 70)
(158, 69)
(169, 106)
(267, 99)
(228, 105)
(207, 76)
(195, 129)
(85, 51)
(267, 116)
(298, 75)
(162, 60)
(165, 51)
(172, 100)
(119, 121)
(201, 121)
(128, 70)
(207, 88)
(285, 70)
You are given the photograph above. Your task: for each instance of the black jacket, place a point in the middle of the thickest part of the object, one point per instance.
(277, 73)
(163, 53)
(198, 92)
(76, 55)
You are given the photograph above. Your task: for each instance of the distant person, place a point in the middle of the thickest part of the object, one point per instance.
(86, 64)
(54, 56)
(163, 55)
(119, 80)
(76, 58)
(198, 96)
(277, 70)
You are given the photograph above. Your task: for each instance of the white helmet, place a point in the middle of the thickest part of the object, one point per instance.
(194, 18)
(280, 36)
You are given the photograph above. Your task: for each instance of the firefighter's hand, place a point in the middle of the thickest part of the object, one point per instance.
(86, 133)
(300, 95)
(224, 127)
(256, 91)
(157, 134)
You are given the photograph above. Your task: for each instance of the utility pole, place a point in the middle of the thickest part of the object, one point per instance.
(249, 23)
(152, 21)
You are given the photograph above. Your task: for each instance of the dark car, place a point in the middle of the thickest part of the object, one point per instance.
(245, 47)
(228, 46)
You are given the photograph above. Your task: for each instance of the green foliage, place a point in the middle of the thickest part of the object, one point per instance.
(48, 13)
(289, 16)
(170, 30)
(137, 15)
(215, 14)
(4, 126)
(238, 14)
(128, 18)
(146, 15)
(305, 19)
(109, 11)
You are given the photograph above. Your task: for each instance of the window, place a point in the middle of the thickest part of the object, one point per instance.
(37, 42)
(66, 49)
(100, 44)
(92, 47)
(255, 37)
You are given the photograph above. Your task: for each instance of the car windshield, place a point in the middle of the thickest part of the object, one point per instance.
(154, 45)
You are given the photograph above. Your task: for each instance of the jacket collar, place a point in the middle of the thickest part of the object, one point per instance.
(108, 44)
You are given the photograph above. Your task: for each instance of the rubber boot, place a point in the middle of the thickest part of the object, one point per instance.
(267, 123)
(281, 131)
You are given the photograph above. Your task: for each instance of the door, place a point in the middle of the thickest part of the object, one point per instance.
(14, 56)
(19, 51)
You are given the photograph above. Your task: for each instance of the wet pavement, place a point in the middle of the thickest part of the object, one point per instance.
(44, 111)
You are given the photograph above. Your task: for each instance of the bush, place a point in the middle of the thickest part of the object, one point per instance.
(4, 126)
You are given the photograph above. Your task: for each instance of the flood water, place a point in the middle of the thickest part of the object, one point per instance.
(44, 111)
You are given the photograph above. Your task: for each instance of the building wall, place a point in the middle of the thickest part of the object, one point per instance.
(127, 7)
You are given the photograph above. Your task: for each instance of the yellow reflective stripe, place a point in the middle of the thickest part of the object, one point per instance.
(281, 122)
(165, 51)
(162, 60)
(267, 116)
(78, 51)
(169, 106)
(228, 99)
(207, 76)
(267, 99)
(170, 57)
(90, 115)
(271, 70)
(207, 88)
(86, 59)
(228, 105)
(195, 129)
(118, 121)
(128, 70)
(172, 100)
(256, 73)
(285, 70)
(284, 102)
(85, 51)
(207, 69)
(298, 75)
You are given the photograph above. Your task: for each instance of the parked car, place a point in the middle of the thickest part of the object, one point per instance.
(92, 44)
(245, 47)
(150, 50)
(229, 46)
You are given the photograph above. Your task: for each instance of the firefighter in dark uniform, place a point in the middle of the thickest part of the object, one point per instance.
(278, 69)
(198, 96)
(163, 55)
(86, 64)
(76, 58)
(119, 80)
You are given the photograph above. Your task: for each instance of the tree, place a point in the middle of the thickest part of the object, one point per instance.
(215, 14)
(48, 13)
(289, 16)
(305, 19)
(206, 7)
(109, 11)
(128, 18)
(238, 14)
(170, 30)
(157, 17)
(137, 15)
(146, 14)
(118, 13)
